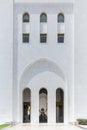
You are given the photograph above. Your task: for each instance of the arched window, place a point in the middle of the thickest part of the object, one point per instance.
(43, 17)
(60, 18)
(26, 17)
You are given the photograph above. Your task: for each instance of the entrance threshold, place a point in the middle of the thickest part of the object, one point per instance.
(44, 124)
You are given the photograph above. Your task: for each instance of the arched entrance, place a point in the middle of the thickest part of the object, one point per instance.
(42, 68)
(59, 106)
(26, 105)
(43, 106)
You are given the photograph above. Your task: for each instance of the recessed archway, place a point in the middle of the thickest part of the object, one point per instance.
(59, 106)
(31, 72)
(26, 105)
(43, 105)
(38, 67)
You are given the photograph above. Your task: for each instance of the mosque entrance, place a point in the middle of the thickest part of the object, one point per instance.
(59, 106)
(26, 105)
(43, 106)
(41, 113)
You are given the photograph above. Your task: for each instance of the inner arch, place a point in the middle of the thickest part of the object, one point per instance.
(37, 67)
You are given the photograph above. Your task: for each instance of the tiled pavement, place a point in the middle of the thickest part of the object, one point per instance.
(44, 127)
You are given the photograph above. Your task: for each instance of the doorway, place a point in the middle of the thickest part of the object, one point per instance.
(43, 106)
(59, 106)
(26, 105)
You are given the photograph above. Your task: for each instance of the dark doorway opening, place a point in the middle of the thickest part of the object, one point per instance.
(43, 106)
(59, 106)
(26, 105)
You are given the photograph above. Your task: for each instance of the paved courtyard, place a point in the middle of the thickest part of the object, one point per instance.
(44, 127)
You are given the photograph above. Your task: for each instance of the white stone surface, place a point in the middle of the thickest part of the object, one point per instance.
(80, 60)
(43, 28)
(44, 127)
(6, 59)
(37, 65)
(26, 28)
(41, 59)
(61, 28)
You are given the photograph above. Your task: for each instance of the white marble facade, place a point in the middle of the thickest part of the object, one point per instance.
(40, 67)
